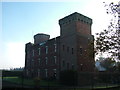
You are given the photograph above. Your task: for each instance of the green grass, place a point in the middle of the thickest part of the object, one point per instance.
(30, 82)
(110, 86)
(19, 80)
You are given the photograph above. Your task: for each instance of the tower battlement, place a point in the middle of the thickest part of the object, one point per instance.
(75, 17)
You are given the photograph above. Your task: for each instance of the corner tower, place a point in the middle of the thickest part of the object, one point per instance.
(76, 43)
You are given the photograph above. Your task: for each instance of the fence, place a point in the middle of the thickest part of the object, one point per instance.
(85, 80)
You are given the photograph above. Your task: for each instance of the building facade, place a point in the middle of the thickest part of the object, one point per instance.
(72, 50)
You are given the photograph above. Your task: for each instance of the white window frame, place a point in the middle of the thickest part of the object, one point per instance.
(46, 73)
(55, 45)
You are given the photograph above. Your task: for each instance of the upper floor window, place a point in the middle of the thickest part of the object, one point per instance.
(32, 60)
(63, 62)
(38, 72)
(39, 60)
(32, 70)
(46, 72)
(81, 50)
(55, 72)
(72, 66)
(72, 51)
(32, 63)
(46, 49)
(68, 66)
(55, 45)
(39, 51)
(55, 60)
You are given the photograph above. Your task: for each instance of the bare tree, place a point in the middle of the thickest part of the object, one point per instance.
(109, 39)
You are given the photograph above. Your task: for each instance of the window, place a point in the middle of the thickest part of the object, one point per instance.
(72, 66)
(46, 49)
(67, 49)
(46, 73)
(32, 60)
(32, 70)
(39, 61)
(63, 63)
(33, 53)
(38, 51)
(81, 67)
(55, 60)
(46, 60)
(68, 66)
(38, 72)
(55, 72)
(80, 50)
(55, 47)
(72, 50)
(32, 63)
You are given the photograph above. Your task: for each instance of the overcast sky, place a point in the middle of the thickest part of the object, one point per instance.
(22, 20)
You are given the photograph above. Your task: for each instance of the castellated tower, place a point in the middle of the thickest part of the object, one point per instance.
(72, 50)
(76, 43)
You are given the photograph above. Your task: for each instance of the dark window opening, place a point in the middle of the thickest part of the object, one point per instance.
(72, 66)
(67, 49)
(81, 51)
(72, 50)
(68, 66)
(81, 20)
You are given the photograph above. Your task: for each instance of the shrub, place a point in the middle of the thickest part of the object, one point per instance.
(68, 77)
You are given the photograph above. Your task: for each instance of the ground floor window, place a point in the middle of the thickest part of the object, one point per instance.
(46, 73)
(55, 72)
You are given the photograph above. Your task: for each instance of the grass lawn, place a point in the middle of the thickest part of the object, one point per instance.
(30, 82)
(19, 80)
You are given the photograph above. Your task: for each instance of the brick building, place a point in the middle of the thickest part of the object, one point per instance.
(73, 49)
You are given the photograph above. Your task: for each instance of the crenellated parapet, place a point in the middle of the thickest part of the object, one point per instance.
(75, 17)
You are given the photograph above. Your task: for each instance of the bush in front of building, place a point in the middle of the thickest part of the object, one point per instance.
(12, 73)
(69, 77)
(36, 81)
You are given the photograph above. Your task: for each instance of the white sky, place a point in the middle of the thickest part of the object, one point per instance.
(17, 30)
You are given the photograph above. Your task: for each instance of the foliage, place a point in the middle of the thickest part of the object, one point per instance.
(108, 64)
(36, 81)
(108, 39)
(118, 66)
(68, 77)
